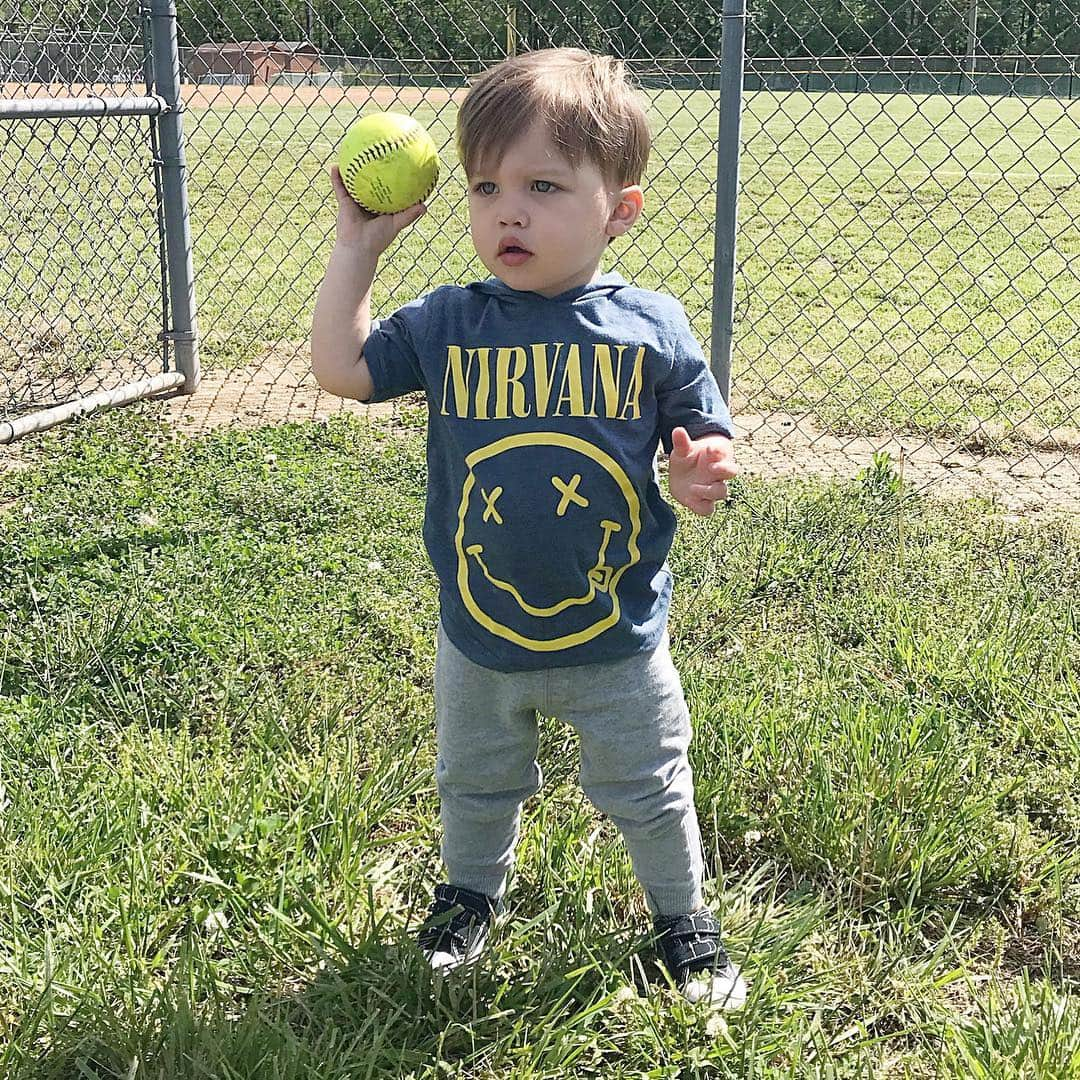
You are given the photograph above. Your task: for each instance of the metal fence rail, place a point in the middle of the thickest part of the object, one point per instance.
(907, 263)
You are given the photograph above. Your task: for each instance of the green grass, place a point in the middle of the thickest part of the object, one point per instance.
(906, 263)
(219, 819)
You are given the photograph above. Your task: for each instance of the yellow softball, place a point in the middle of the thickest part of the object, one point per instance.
(388, 162)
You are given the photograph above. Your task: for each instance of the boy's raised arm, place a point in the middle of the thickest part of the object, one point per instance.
(342, 319)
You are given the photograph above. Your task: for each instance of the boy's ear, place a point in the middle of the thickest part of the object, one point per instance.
(626, 211)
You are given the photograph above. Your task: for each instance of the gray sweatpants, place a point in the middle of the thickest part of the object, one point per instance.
(634, 727)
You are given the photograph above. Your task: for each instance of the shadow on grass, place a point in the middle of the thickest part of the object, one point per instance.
(376, 1012)
(556, 995)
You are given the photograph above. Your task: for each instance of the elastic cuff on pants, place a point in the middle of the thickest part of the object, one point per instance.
(673, 900)
(481, 883)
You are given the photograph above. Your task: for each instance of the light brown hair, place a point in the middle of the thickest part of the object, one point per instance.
(586, 102)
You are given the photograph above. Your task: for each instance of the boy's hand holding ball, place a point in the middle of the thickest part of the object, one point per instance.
(387, 165)
(356, 227)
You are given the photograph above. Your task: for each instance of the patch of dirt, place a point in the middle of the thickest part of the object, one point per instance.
(281, 388)
(1031, 482)
(770, 445)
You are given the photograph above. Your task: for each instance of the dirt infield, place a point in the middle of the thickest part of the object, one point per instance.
(214, 97)
(204, 96)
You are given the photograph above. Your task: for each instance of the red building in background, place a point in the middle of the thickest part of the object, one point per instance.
(254, 61)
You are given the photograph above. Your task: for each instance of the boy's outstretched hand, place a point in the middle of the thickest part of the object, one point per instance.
(698, 470)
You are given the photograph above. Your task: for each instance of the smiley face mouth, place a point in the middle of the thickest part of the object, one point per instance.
(599, 578)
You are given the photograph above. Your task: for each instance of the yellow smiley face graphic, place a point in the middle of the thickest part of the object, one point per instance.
(547, 526)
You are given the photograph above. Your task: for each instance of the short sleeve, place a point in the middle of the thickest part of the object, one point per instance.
(688, 396)
(390, 351)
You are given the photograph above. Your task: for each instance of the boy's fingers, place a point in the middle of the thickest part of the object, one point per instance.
(724, 469)
(341, 193)
(720, 445)
(716, 450)
(338, 186)
(715, 490)
(405, 218)
(680, 441)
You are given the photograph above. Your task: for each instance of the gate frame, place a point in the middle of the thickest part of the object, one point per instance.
(164, 106)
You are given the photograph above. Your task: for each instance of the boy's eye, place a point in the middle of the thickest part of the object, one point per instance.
(485, 187)
(543, 186)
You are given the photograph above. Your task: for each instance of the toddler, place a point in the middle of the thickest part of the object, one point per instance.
(549, 386)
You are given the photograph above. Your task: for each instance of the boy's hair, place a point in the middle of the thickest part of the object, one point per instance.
(585, 101)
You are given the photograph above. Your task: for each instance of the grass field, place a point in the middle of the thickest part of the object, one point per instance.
(219, 818)
(906, 263)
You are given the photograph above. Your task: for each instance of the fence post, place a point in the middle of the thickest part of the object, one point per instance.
(732, 56)
(183, 334)
(511, 28)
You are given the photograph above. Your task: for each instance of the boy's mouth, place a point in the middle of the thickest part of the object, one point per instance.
(512, 252)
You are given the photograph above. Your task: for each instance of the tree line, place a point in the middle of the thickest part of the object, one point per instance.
(468, 32)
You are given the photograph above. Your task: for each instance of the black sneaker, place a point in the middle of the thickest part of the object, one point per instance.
(690, 948)
(456, 928)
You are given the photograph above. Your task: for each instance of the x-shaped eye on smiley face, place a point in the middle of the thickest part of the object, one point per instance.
(490, 513)
(569, 491)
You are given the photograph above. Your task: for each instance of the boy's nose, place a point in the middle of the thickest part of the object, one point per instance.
(513, 215)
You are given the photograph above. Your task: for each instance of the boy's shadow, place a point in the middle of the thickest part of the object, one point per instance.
(475, 1013)
(373, 1009)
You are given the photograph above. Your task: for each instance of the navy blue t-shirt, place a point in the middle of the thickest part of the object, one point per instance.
(544, 519)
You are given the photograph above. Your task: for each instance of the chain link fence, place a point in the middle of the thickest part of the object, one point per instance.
(95, 281)
(908, 254)
(78, 246)
(910, 232)
(80, 273)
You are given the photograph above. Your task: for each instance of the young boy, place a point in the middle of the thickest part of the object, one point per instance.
(549, 387)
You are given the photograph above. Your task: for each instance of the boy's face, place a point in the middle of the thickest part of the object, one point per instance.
(540, 224)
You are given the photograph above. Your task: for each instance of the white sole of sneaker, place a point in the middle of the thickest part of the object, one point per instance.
(442, 963)
(722, 992)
